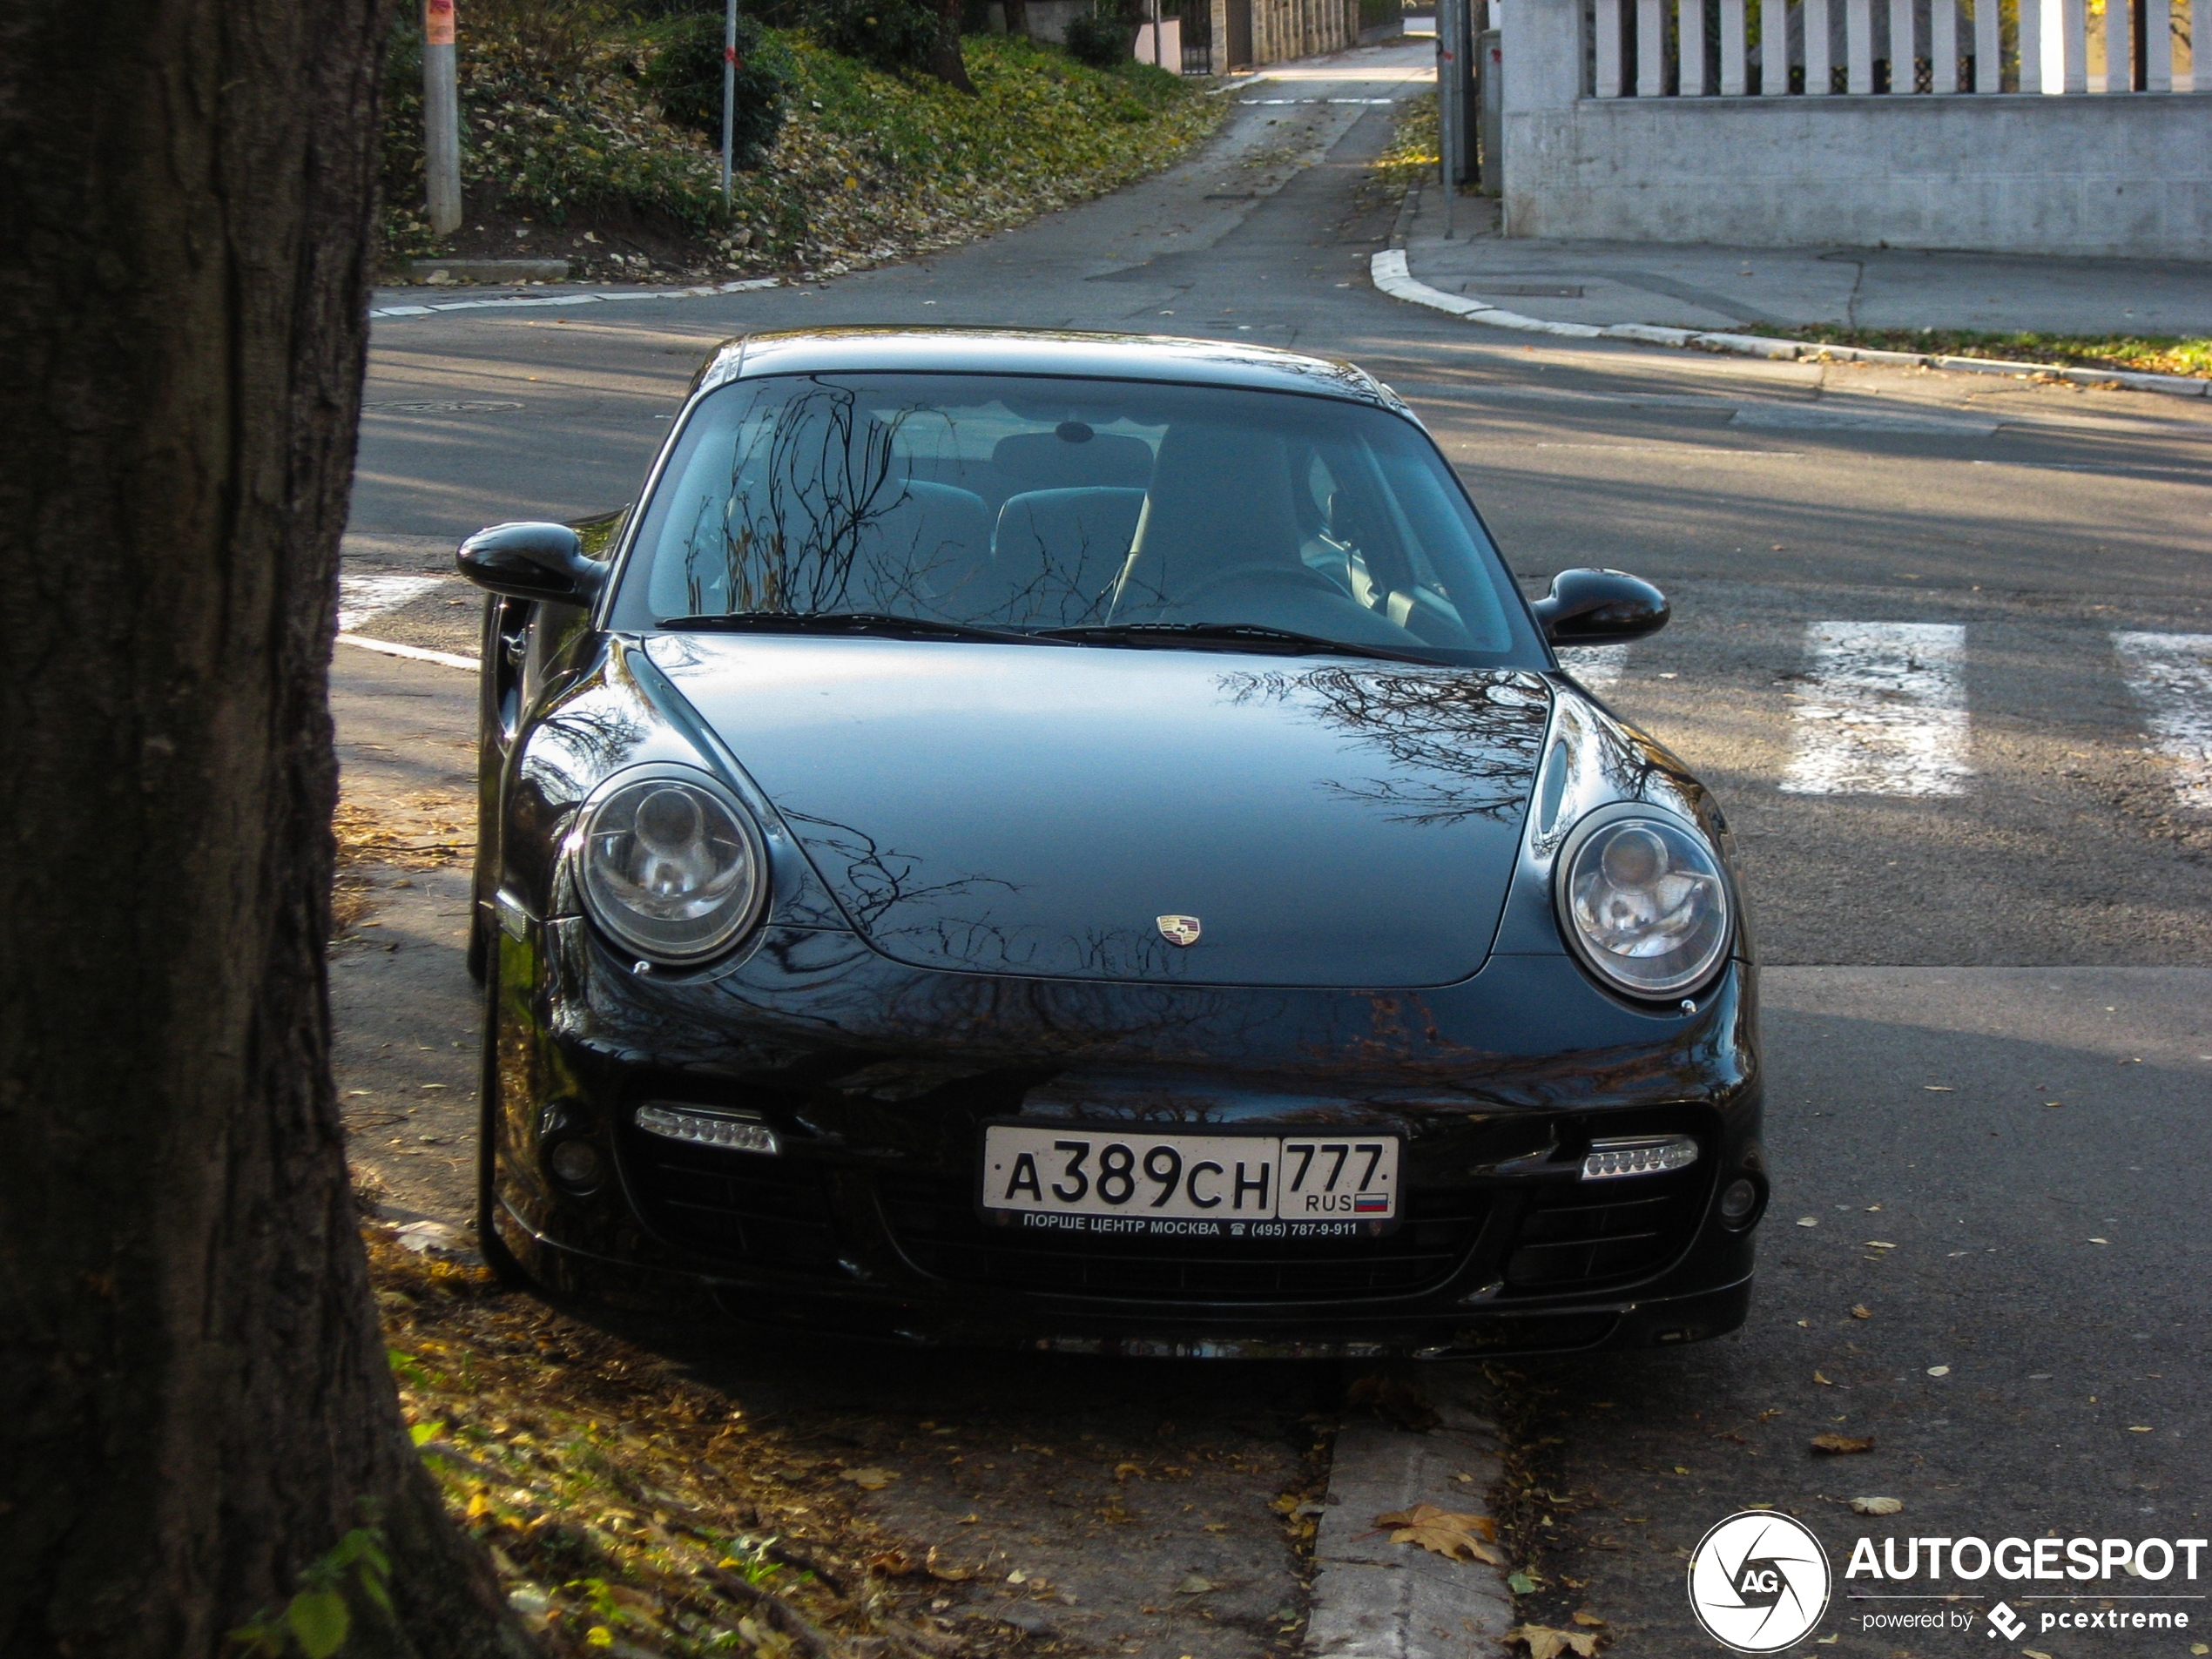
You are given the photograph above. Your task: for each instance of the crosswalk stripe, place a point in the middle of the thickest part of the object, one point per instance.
(361, 597)
(2171, 674)
(1885, 712)
(1598, 667)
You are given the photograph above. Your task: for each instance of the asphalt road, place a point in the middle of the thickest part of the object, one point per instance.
(1947, 965)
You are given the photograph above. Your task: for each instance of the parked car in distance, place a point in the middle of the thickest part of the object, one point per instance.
(1079, 842)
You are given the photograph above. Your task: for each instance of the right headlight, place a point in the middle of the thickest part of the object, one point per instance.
(1642, 900)
(671, 864)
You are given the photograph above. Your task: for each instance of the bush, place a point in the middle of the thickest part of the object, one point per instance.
(890, 34)
(683, 70)
(1104, 36)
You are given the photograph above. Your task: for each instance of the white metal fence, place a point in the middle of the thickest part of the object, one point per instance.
(1726, 48)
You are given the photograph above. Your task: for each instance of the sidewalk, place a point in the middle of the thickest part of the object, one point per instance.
(1746, 289)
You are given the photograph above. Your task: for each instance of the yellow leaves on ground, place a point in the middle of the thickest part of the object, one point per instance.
(1834, 1445)
(1544, 1642)
(1457, 1537)
(869, 1479)
(1876, 1506)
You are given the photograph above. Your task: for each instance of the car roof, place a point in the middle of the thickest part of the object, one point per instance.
(1071, 352)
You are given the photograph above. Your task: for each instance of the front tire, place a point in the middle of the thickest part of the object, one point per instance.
(505, 1267)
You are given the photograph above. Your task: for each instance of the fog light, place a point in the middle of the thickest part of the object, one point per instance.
(574, 1163)
(1638, 1155)
(1739, 1202)
(710, 1129)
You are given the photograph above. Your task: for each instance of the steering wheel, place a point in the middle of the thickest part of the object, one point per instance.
(1285, 575)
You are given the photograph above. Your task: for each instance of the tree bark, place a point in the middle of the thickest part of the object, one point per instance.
(946, 62)
(1017, 17)
(194, 1401)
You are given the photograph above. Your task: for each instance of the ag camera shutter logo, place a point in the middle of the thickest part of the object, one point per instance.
(1759, 1581)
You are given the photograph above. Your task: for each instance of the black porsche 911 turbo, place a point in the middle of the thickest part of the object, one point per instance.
(1077, 840)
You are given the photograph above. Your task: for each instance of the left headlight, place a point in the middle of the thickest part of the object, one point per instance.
(1642, 900)
(671, 864)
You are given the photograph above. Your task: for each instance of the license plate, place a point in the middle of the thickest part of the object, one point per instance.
(1223, 1185)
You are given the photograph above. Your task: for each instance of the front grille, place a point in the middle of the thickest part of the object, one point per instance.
(935, 1225)
(738, 1206)
(1605, 1232)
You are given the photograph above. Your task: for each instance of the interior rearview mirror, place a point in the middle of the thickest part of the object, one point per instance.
(1588, 607)
(532, 561)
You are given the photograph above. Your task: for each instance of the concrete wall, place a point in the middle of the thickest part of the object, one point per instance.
(2128, 175)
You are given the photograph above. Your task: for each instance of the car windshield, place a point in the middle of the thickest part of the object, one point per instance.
(1120, 512)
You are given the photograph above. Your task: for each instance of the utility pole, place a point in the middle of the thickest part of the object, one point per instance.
(729, 92)
(440, 118)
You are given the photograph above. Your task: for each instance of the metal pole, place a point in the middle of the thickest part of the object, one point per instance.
(729, 91)
(440, 118)
(1159, 27)
(1447, 101)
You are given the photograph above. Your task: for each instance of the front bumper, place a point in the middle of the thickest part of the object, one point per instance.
(878, 1079)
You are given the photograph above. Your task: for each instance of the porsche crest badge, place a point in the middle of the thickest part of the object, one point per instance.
(1179, 930)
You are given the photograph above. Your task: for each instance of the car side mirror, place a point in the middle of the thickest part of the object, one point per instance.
(530, 560)
(1599, 607)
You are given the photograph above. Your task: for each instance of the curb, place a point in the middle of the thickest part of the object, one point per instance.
(520, 302)
(1387, 270)
(1376, 1600)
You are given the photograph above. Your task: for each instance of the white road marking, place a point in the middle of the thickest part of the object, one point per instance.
(1823, 417)
(362, 598)
(413, 653)
(2172, 673)
(1598, 667)
(1885, 714)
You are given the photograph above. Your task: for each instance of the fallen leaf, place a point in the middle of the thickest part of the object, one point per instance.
(946, 1570)
(1938, 1088)
(2198, 1647)
(1123, 1471)
(1938, 1371)
(1680, 1470)
(894, 1563)
(2139, 1428)
(1837, 1444)
(1861, 1310)
(1879, 1244)
(1876, 1506)
(1808, 1221)
(1544, 1642)
(2034, 1653)
(1456, 1537)
(2101, 1241)
(869, 1479)
(1193, 1585)
(1585, 1616)
(1520, 1584)
(1822, 1380)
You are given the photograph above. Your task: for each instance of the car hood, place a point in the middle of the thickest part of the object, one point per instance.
(1037, 810)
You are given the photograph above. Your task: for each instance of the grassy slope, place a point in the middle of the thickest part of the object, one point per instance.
(869, 166)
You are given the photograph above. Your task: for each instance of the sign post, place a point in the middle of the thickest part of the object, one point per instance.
(729, 91)
(440, 118)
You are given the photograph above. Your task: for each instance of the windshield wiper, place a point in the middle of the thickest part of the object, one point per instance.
(1229, 636)
(878, 623)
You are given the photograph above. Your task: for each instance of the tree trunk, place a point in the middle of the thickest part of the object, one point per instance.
(946, 62)
(1017, 17)
(194, 1401)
